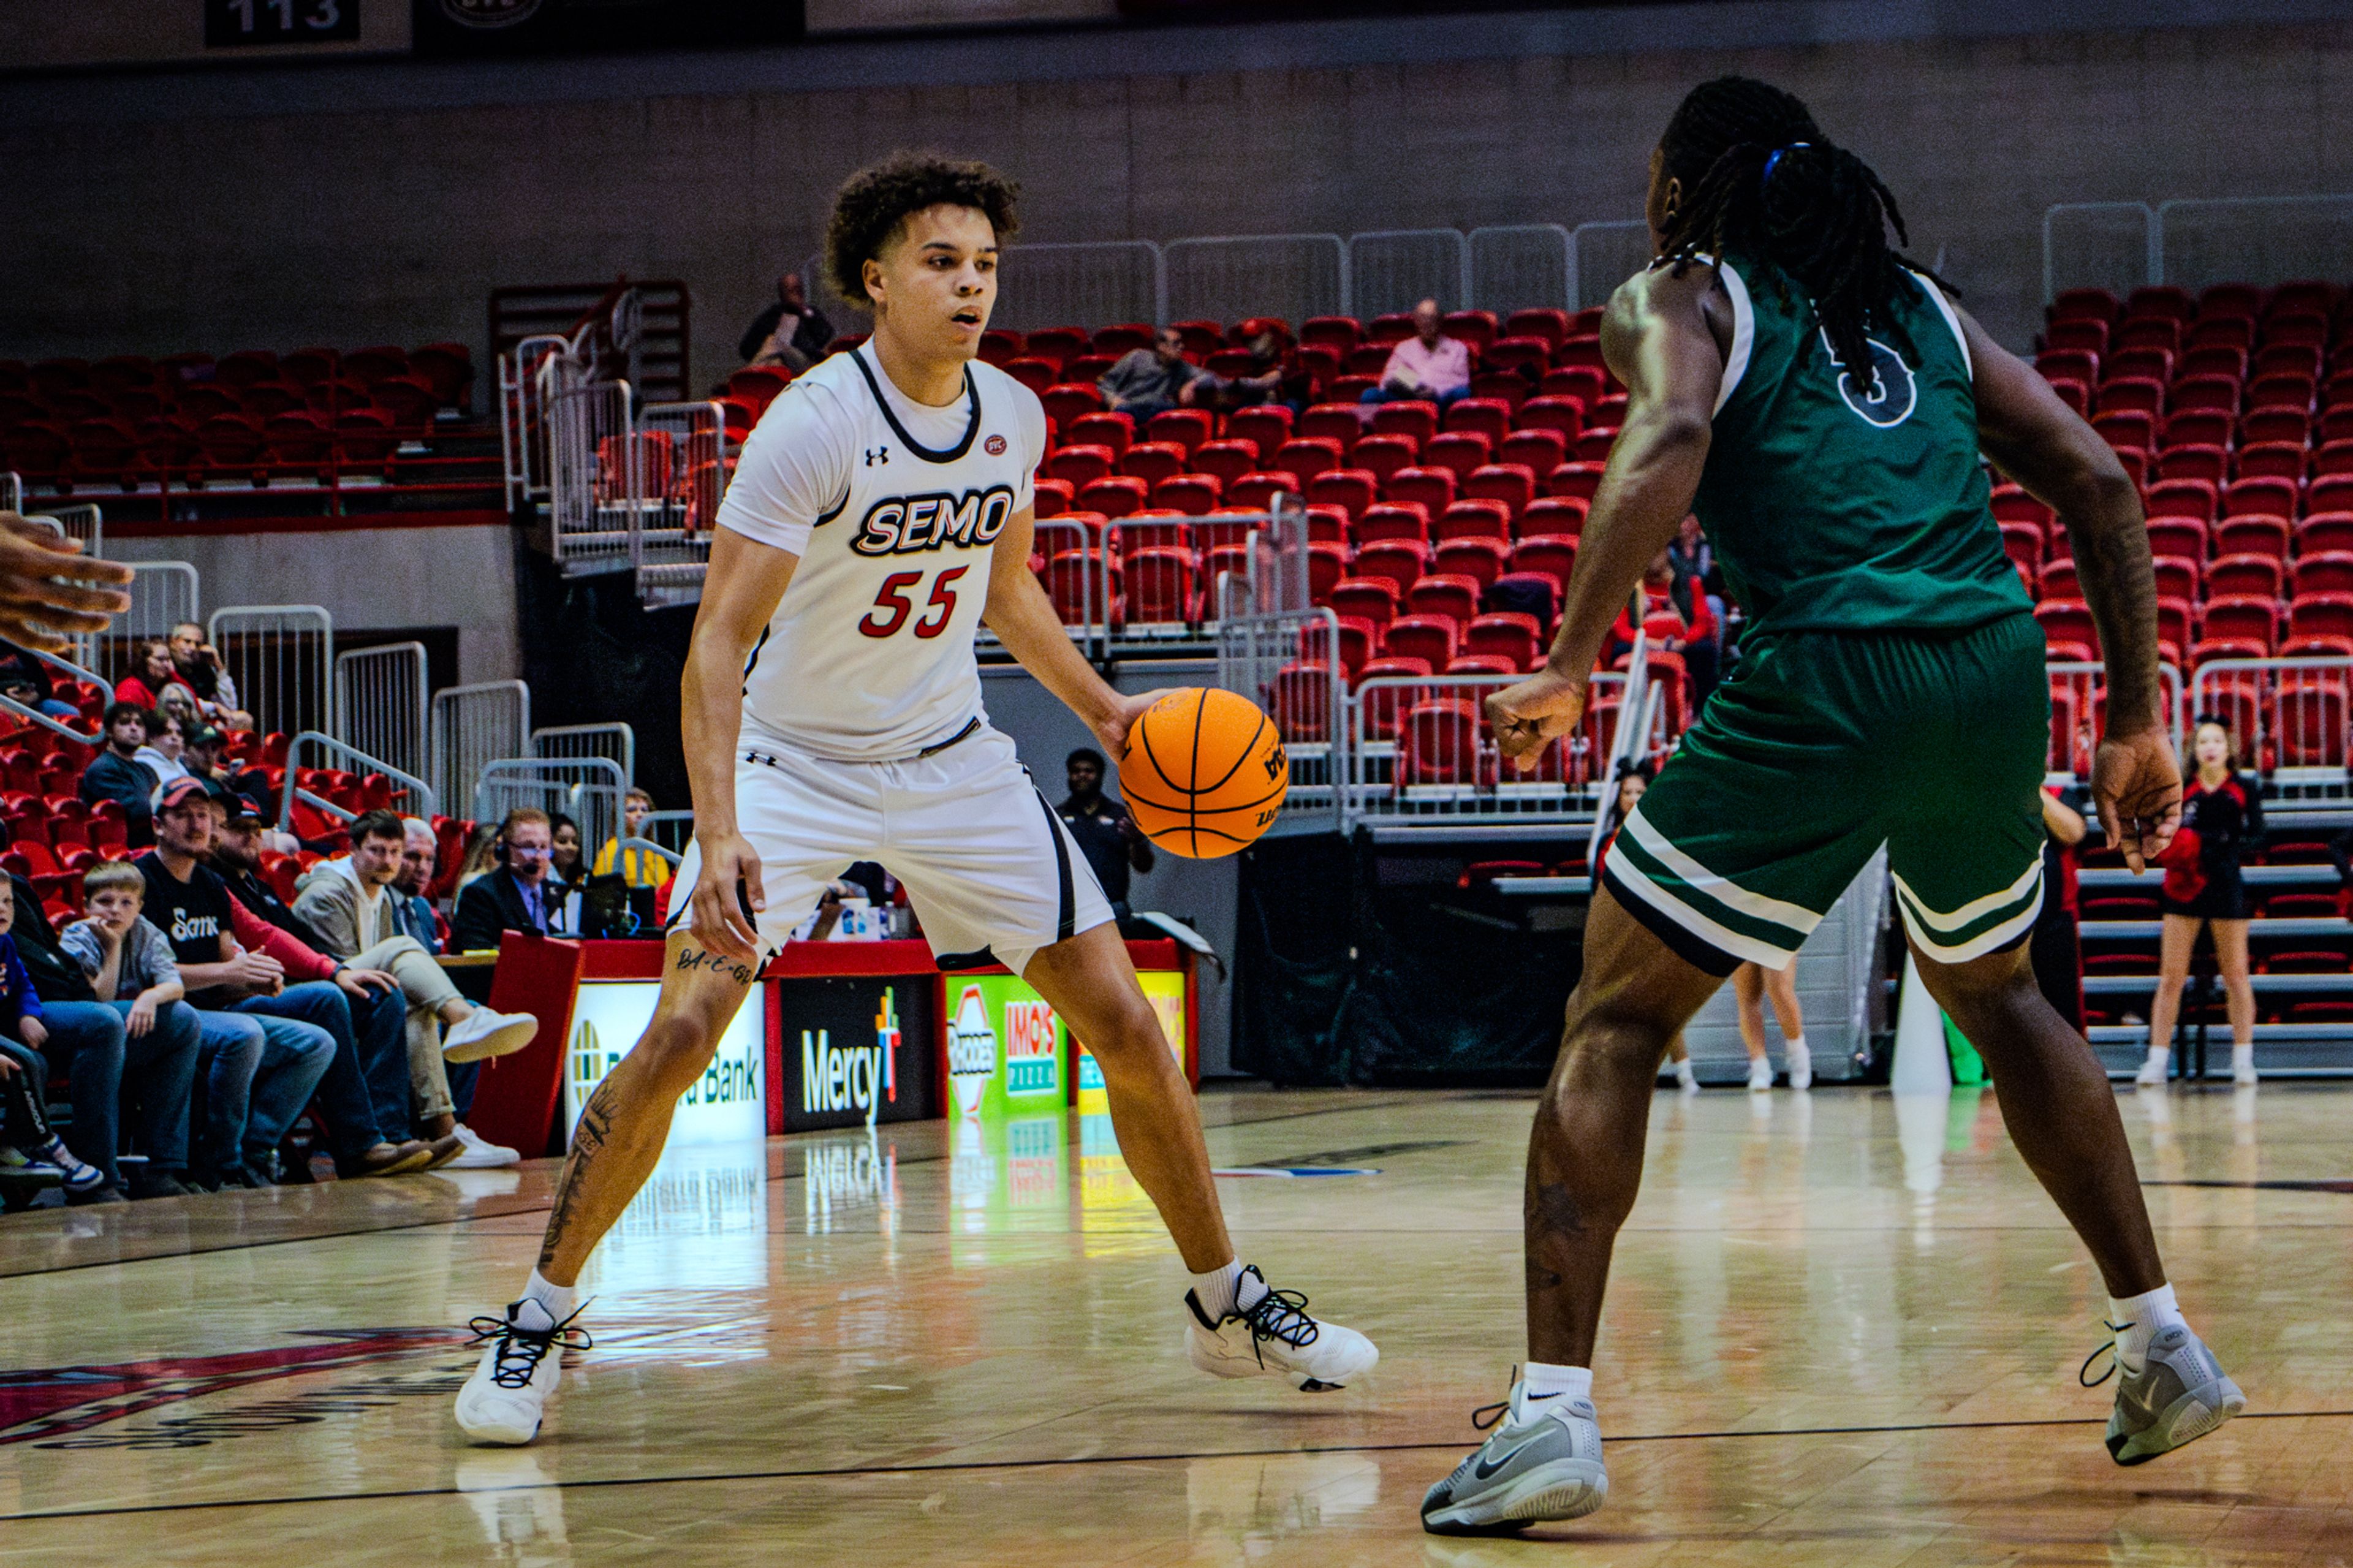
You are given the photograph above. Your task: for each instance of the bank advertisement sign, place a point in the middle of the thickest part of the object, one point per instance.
(727, 1103)
(857, 1051)
(1008, 1055)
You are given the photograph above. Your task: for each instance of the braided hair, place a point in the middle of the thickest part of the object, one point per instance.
(1758, 175)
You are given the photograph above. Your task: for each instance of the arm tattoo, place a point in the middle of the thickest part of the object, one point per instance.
(691, 959)
(587, 1142)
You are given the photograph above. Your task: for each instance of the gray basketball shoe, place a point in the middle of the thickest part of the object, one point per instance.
(1543, 1462)
(2179, 1395)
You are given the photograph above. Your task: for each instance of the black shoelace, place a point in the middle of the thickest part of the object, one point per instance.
(1487, 1416)
(1279, 1315)
(2107, 1347)
(521, 1350)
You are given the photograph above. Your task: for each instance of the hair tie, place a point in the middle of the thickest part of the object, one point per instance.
(1772, 160)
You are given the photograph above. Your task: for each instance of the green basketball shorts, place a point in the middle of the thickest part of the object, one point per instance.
(1822, 747)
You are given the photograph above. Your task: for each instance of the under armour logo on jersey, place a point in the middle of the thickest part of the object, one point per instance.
(877, 455)
(1889, 400)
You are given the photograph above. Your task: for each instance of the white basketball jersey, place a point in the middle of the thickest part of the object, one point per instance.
(894, 509)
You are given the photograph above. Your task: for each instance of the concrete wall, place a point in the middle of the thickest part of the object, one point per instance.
(375, 578)
(356, 203)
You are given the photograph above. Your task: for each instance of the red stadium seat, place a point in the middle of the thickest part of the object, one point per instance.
(1565, 415)
(2021, 542)
(1079, 464)
(1054, 496)
(1438, 743)
(1113, 431)
(2261, 497)
(1429, 637)
(1373, 599)
(1511, 637)
(2323, 531)
(1113, 496)
(1481, 558)
(2321, 614)
(2067, 623)
(1306, 456)
(1551, 325)
(1446, 596)
(1552, 556)
(1299, 700)
(1065, 401)
(1556, 515)
(1510, 483)
(1486, 417)
(2182, 498)
(1189, 427)
(1429, 488)
(1333, 422)
(1228, 460)
(2181, 536)
(1393, 520)
(2272, 460)
(2187, 460)
(1383, 708)
(1161, 587)
(1196, 495)
(2247, 576)
(2248, 620)
(1578, 480)
(2310, 729)
(1473, 518)
(1267, 424)
(2329, 493)
(1417, 419)
(1383, 455)
(1401, 561)
(2322, 572)
(1538, 451)
(2252, 536)
(1461, 452)
(1153, 461)
(1354, 490)
(1256, 492)
(2290, 425)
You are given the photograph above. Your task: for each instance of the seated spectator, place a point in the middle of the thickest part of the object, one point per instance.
(344, 900)
(1694, 635)
(1428, 367)
(638, 867)
(513, 897)
(1691, 557)
(236, 963)
(180, 703)
(166, 739)
(420, 849)
(26, 679)
(110, 1074)
(483, 854)
(117, 775)
(22, 1070)
(203, 751)
(1145, 382)
(155, 672)
(198, 665)
(791, 333)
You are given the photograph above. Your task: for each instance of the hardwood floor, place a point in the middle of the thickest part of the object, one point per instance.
(1841, 1330)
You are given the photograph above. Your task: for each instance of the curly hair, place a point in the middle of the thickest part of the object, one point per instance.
(1758, 175)
(872, 204)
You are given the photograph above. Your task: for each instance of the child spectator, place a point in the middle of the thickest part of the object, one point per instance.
(638, 867)
(121, 954)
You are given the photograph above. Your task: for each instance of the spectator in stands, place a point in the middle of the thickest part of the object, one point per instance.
(236, 963)
(117, 775)
(483, 852)
(638, 867)
(198, 665)
(85, 1041)
(23, 1069)
(420, 849)
(514, 897)
(180, 703)
(166, 739)
(202, 755)
(1428, 367)
(1681, 623)
(2221, 823)
(1633, 783)
(1145, 382)
(345, 902)
(155, 672)
(1106, 833)
(791, 333)
(27, 678)
(1693, 557)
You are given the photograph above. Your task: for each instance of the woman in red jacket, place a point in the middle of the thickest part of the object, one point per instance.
(2221, 822)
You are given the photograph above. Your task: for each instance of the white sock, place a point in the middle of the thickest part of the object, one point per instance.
(1684, 1073)
(1221, 1291)
(1542, 1378)
(1795, 1048)
(541, 1299)
(2143, 1317)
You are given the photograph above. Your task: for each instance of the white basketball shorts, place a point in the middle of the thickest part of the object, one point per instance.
(991, 871)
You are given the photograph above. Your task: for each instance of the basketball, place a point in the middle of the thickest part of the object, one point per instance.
(1203, 771)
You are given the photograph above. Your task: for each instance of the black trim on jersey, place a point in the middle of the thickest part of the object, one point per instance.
(1070, 913)
(956, 962)
(971, 429)
(971, 728)
(752, 663)
(835, 510)
(1689, 946)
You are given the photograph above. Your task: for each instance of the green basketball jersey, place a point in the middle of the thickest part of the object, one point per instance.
(1839, 506)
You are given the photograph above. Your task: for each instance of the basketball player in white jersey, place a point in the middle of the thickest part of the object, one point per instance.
(832, 713)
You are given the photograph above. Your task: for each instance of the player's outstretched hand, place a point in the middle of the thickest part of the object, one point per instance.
(1113, 731)
(36, 609)
(1537, 710)
(728, 898)
(2137, 784)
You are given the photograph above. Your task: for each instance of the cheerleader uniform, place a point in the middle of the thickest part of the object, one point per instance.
(2223, 824)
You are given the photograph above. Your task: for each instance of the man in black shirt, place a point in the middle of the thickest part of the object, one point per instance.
(791, 333)
(116, 774)
(1107, 835)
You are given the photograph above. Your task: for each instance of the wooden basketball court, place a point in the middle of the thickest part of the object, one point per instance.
(1843, 1332)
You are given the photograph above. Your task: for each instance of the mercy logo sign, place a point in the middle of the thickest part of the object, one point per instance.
(852, 1078)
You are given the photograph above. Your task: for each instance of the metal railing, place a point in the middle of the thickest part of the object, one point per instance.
(282, 657)
(97, 735)
(2079, 705)
(2290, 716)
(670, 831)
(381, 708)
(588, 790)
(522, 417)
(1289, 664)
(676, 473)
(1420, 755)
(163, 594)
(1604, 254)
(1522, 266)
(1228, 277)
(474, 726)
(1094, 285)
(82, 522)
(2113, 246)
(418, 799)
(561, 743)
(2194, 243)
(592, 459)
(12, 491)
(1395, 268)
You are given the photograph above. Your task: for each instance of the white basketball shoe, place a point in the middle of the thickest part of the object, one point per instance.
(521, 1363)
(1275, 1335)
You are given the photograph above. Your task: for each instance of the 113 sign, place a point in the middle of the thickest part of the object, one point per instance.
(231, 23)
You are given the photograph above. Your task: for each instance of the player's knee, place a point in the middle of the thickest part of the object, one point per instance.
(1130, 1040)
(675, 1049)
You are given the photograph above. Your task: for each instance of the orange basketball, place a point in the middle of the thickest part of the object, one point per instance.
(1204, 773)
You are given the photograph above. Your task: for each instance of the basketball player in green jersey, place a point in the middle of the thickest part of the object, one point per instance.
(1822, 405)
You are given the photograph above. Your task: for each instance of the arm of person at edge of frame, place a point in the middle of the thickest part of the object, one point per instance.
(1024, 620)
(1660, 341)
(740, 588)
(2061, 462)
(50, 592)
